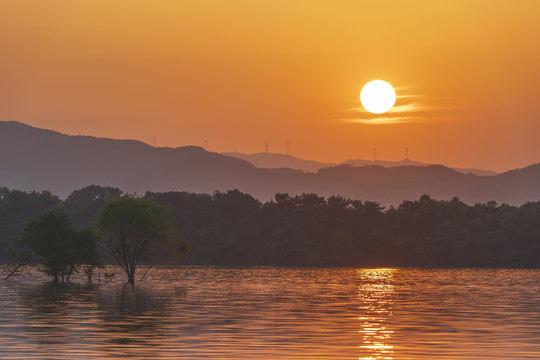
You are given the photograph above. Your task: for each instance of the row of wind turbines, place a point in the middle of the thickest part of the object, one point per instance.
(288, 144)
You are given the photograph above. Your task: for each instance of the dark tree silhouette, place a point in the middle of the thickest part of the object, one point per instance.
(16, 208)
(58, 246)
(84, 204)
(130, 227)
(233, 228)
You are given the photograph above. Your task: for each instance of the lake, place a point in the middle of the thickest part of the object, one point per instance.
(275, 313)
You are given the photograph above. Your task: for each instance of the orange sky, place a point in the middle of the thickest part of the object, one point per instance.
(242, 73)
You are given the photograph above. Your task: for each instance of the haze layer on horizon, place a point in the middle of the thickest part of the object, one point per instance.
(242, 74)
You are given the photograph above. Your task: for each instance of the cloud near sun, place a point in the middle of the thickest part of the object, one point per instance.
(407, 109)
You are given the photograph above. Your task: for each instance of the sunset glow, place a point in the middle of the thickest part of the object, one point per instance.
(240, 74)
(270, 179)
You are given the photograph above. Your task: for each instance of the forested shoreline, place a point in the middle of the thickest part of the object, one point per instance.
(233, 228)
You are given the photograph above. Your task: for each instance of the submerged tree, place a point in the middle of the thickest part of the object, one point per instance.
(59, 247)
(131, 227)
(18, 258)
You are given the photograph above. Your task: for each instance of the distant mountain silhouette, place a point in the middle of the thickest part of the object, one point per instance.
(405, 162)
(37, 159)
(408, 162)
(276, 161)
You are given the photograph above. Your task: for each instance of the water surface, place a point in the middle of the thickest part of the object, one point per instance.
(275, 313)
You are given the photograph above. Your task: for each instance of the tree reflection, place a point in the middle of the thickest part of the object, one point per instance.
(72, 320)
(375, 292)
(56, 298)
(134, 319)
(49, 309)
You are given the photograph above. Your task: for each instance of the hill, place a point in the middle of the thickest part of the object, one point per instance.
(37, 159)
(276, 161)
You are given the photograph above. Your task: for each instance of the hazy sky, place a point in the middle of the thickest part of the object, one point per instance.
(243, 73)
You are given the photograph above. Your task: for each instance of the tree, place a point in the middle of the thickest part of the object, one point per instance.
(18, 257)
(88, 252)
(131, 227)
(84, 204)
(16, 208)
(58, 246)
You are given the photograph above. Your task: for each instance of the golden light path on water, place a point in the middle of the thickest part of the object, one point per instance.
(375, 293)
(197, 312)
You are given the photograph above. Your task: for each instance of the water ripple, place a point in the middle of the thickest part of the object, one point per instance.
(276, 313)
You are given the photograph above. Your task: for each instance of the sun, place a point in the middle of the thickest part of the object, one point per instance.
(378, 96)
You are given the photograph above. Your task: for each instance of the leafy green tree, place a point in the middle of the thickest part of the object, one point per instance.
(59, 247)
(131, 227)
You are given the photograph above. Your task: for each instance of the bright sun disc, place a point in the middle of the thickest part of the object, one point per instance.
(378, 96)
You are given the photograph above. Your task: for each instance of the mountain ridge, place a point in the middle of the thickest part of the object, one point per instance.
(276, 160)
(38, 159)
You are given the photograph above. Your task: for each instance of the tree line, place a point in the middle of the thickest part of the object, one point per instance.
(125, 231)
(233, 228)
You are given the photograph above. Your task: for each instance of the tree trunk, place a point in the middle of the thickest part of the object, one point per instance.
(131, 276)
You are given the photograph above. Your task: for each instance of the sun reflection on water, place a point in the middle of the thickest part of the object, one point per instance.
(276, 313)
(375, 292)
